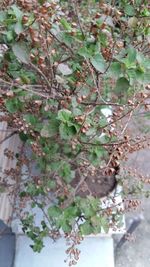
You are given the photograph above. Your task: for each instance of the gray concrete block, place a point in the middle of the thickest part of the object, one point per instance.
(95, 252)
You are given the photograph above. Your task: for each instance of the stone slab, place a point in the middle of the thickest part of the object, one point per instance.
(95, 252)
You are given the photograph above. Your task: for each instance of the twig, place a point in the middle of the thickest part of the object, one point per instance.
(104, 144)
(7, 130)
(45, 214)
(114, 121)
(8, 136)
(70, 199)
(62, 43)
(94, 80)
(121, 117)
(74, 4)
(105, 104)
(111, 60)
(25, 87)
(41, 73)
(79, 184)
(125, 127)
(50, 63)
(37, 70)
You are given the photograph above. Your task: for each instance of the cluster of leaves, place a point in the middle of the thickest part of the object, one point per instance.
(71, 72)
(34, 232)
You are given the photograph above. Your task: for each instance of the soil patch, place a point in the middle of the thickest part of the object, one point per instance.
(98, 185)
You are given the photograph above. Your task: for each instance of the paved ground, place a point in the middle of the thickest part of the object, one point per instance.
(7, 246)
(137, 253)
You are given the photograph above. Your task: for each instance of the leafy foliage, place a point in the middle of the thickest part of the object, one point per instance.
(70, 77)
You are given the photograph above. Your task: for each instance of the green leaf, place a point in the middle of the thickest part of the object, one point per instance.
(103, 121)
(67, 132)
(23, 137)
(86, 207)
(23, 194)
(65, 38)
(86, 228)
(2, 16)
(84, 52)
(96, 154)
(20, 51)
(37, 247)
(99, 151)
(66, 227)
(70, 214)
(41, 2)
(146, 77)
(10, 36)
(115, 69)
(108, 20)
(31, 119)
(137, 76)
(77, 112)
(66, 173)
(130, 60)
(132, 54)
(104, 224)
(54, 212)
(31, 189)
(30, 21)
(132, 22)
(50, 129)
(55, 165)
(25, 79)
(65, 24)
(94, 202)
(95, 220)
(18, 13)
(13, 105)
(51, 184)
(18, 27)
(143, 61)
(99, 63)
(122, 85)
(64, 69)
(129, 10)
(60, 79)
(64, 115)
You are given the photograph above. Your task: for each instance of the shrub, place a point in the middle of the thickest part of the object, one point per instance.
(73, 73)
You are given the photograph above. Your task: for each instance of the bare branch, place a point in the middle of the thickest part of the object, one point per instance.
(8, 136)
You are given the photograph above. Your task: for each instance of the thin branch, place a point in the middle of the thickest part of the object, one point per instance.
(118, 119)
(94, 79)
(7, 130)
(62, 43)
(8, 136)
(105, 104)
(71, 197)
(25, 87)
(126, 125)
(49, 60)
(111, 60)
(104, 144)
(74, 4)
(45, 214)
(121, 117)
(41, 73)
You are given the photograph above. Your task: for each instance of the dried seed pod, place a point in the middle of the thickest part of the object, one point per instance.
(25, 19)
(41, 60)
(79, 100)
(83, 97)
(10, 93)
